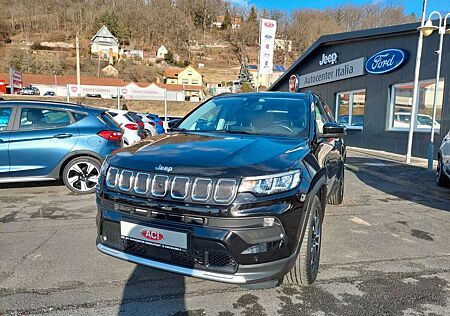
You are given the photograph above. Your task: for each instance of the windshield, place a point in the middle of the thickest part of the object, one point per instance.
(265, 115)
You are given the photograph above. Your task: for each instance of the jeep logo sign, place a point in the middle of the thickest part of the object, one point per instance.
(329, 59)
(385, 61)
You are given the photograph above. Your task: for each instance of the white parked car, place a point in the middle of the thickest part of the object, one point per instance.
(402, 119)
(149, 125)
(129, 127)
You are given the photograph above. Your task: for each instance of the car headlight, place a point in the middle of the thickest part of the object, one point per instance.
(104, 167)
(270, 184)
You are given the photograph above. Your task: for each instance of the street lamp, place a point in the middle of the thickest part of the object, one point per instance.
(427, 30)
(416, 86)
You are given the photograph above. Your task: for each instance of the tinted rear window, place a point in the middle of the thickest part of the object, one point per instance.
(108, 120)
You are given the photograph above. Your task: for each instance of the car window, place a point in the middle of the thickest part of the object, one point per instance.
(254, 114)
(112, 114)
(129, 117)
(38, 118)
(108, 120)
(78, 116)
(327, 111)
(5, 115)
(135, 117)
(321, 117)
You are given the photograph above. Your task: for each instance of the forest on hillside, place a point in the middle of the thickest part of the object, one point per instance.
(179, 24)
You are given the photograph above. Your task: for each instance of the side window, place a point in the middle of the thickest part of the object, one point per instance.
(321, 117)
(327, 111)
(78, 116)
(5, 115)
(38, 118)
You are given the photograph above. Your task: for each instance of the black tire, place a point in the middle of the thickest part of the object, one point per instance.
(304, 271)
(80, 175)
(337, 195)
(441, 179)
(148, 132)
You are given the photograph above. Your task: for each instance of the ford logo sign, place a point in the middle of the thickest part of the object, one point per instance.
(385, 61)
(268, 36)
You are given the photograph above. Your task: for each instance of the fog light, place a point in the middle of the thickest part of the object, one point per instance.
(256, 249)
(269, 221)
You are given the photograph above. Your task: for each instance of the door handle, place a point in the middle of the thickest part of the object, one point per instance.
(62, 135)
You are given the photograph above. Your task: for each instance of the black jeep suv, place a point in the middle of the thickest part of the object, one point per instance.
(235, 192)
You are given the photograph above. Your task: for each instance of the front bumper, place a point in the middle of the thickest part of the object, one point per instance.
(245, 274)
(218, 237)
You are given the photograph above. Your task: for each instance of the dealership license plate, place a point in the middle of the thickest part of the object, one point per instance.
(154, 236)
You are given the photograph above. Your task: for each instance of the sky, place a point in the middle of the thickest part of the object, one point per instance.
(411, 6)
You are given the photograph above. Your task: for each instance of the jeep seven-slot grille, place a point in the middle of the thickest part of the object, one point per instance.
(174, 187)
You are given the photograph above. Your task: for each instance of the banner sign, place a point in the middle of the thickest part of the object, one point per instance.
(386, 61)
(102, 90)
(267, 42)
(346, 70)
(136, 92)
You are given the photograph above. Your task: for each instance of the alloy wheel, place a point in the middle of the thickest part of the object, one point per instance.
(315, 240)
(83, 176)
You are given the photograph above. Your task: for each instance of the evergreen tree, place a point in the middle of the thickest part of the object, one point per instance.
(252, 15)
(111, 21)
(226, 24)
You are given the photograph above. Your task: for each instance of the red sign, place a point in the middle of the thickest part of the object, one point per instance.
(152, 234)
(3, 86)
(268, 24)
(293, 83)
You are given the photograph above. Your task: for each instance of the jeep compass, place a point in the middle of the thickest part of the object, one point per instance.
(235, 192)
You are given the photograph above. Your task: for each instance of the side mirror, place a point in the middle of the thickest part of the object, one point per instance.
(333, 130)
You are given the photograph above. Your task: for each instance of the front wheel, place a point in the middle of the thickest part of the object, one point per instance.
(81, 175)
(306, 267)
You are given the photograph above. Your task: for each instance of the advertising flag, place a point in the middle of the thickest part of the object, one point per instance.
(267, 43)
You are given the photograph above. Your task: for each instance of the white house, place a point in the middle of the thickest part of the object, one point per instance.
(105, 45)
(161, 52)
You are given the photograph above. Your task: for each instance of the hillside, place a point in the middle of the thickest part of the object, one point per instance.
(41, 39)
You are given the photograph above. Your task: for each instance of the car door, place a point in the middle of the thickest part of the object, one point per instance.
(41, 138)
(326, 149)
(6, 122)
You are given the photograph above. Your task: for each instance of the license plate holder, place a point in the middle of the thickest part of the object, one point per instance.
(154, 236)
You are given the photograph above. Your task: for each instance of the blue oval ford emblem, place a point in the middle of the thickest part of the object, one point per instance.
(386, 61)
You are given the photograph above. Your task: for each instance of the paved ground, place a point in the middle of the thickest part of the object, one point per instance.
(386, 251)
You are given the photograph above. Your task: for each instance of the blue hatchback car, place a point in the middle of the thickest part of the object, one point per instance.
(42, 140)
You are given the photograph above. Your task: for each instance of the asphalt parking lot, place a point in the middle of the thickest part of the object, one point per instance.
(386, 251)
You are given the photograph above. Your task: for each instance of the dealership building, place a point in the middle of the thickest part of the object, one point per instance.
(366, 77)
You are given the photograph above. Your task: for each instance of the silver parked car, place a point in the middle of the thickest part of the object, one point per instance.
(443, 168)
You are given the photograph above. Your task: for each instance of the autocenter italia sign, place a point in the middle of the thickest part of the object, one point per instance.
(342, 71)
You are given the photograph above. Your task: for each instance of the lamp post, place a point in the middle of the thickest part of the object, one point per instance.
(414, 106)
(426, 30)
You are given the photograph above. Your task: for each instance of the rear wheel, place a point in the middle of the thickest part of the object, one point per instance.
(306, 267)
(81, 175)
(441, 179)
(148, 132)
(337, 196)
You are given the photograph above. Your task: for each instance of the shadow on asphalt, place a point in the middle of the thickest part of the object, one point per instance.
(32, 184)
(147, 286)
(405, 182)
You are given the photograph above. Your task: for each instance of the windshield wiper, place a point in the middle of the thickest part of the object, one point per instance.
(176, 129)
(236, 132)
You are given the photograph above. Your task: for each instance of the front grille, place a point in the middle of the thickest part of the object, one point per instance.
(199, 257)
(174, 187)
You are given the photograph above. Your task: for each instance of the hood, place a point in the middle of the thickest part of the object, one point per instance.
(212, 154)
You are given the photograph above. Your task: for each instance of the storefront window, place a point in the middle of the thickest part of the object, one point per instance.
(350, 108)
(401, 102)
